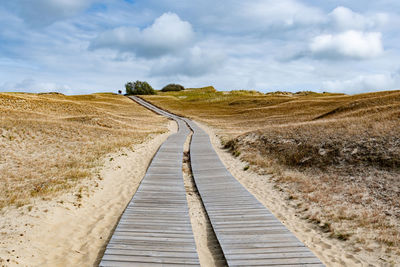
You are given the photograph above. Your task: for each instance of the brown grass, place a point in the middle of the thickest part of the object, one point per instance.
(49, 142)
(337, 156)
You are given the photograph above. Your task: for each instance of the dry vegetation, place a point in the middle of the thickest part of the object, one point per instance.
(49, 142)
(337, 157)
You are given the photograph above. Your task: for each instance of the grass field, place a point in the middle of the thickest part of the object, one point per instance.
(336, 157)
(50, 142)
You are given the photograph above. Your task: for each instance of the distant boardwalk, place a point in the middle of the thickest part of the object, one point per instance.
(155, 229)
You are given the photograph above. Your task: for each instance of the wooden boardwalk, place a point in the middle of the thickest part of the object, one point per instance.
(156, 229)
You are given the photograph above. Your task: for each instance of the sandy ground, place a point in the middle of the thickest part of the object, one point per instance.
(332, 252)
(207, 246)
(73, 230)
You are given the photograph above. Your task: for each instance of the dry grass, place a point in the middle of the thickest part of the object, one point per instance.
(49, 142)
(336, 156)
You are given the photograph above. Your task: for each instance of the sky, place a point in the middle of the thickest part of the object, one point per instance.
(87, 46)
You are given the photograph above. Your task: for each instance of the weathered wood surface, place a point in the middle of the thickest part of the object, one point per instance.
(155, 228)
(249, 234)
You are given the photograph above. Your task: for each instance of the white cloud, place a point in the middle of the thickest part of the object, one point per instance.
(286, 13)
(349, 44)
(45, 12)
(344, 18)
(269, 18)
(34, 86)
(168, 34)
(365, 83)
(194, 62)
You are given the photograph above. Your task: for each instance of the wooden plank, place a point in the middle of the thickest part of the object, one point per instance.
(268, 250)
(271, 262)
(149, 247)
(154, 259)
(276, 255)
(130, 263)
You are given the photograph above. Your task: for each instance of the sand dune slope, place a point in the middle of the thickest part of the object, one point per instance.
(68, 232)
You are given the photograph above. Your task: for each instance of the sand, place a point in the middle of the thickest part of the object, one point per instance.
(73, 230)
(331, 252)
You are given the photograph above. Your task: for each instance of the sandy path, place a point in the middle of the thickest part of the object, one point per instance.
(73, 230)
(328, 250)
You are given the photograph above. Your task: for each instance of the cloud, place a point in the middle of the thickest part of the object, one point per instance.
(34, 86)
(269, 18)
(349, 44)
(194, 62)
(284, 13)
(168, 34)
(44, 12)
(232, 44)
(344, 18)
(344, 34)
(365, 83)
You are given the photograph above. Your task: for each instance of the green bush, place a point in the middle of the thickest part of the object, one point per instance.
(139, 88)
(173, 87)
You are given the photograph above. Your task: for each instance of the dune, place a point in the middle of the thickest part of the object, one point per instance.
(69, 166)
(325, 164)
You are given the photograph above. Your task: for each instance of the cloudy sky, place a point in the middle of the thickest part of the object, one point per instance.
(83, 46)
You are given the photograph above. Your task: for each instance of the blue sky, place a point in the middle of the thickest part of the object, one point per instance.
(84, 46)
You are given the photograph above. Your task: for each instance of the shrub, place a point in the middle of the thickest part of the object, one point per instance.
(173, 87)
(139, 88)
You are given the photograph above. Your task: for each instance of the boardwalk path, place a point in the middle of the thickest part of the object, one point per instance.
(155, 229)
(248, 233)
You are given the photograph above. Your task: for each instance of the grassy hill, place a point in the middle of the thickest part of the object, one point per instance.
(335, 157)
(49, 142)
